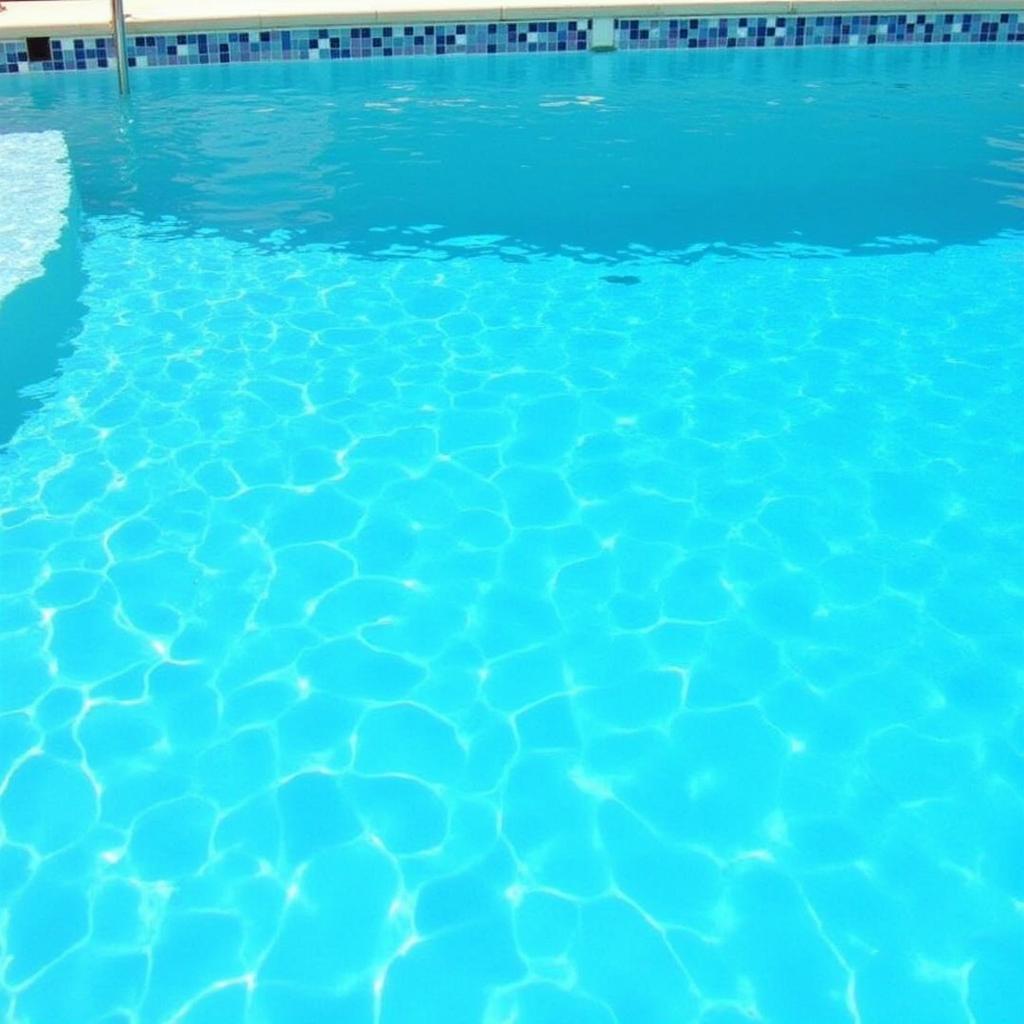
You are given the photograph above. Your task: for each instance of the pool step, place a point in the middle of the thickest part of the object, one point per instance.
(40, 269)
(33, 203)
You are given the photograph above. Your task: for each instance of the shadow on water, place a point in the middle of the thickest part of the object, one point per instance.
(38, 321)
(596, 155)
(607, 160)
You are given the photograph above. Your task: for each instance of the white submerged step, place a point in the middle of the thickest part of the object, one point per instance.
(34, 203)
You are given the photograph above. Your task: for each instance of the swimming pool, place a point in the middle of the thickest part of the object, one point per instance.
(521, 540)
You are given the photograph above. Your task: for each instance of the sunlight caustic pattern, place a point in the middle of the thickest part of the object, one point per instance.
(449, 640)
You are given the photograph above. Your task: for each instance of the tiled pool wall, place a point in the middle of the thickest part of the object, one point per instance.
(380, 41)
(349, 42)
(817, 30)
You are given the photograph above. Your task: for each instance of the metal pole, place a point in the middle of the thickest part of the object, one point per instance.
(121, 46)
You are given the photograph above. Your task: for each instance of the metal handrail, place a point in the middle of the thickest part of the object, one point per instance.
(120, 46)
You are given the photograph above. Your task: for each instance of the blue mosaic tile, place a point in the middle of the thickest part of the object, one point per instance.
(350, 42)
(817, 30)
(358, 42)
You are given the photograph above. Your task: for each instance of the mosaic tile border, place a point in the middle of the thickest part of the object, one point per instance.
(817, 30)
(382, 41)
(319, 43)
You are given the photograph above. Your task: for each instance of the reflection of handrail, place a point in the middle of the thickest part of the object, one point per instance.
(120, 46)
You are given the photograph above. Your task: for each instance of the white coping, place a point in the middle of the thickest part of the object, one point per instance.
(34, 201)
(22, 18)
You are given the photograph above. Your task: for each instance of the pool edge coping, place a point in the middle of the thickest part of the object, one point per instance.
(93, 15)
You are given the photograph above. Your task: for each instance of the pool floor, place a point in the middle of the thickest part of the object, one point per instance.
(428, 621)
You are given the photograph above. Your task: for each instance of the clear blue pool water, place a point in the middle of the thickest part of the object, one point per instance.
(524, 540)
